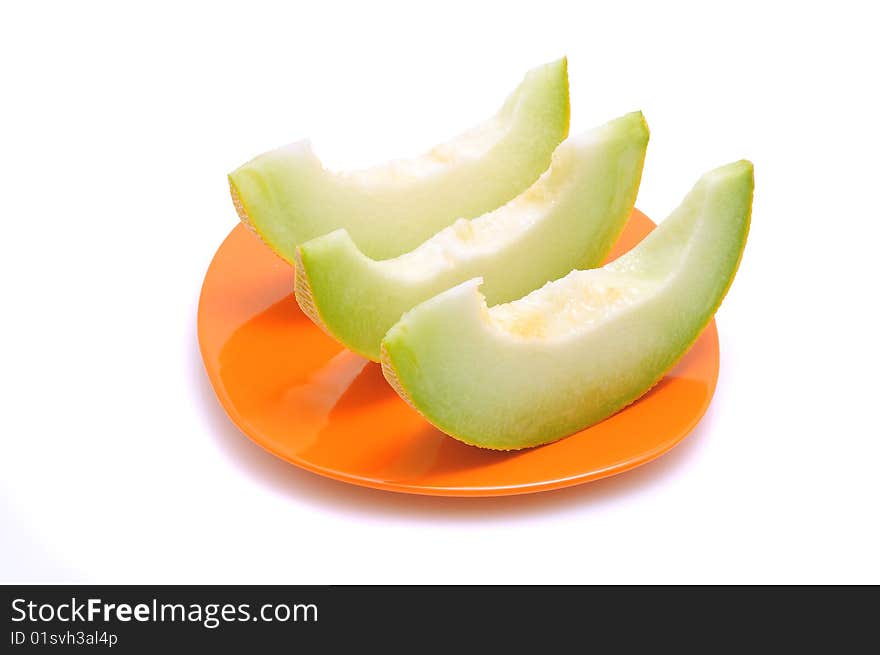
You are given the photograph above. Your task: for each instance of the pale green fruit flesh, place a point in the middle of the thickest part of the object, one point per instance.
(568, 219)
(581, 348)
(287, 197)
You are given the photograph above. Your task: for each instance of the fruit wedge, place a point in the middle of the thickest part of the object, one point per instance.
(581, 348)
(568, 219)
(287, 197)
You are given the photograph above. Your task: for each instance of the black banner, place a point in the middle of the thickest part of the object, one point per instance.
(386, 619)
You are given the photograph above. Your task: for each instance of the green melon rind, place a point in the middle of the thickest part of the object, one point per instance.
(287, 197)
(494, 390)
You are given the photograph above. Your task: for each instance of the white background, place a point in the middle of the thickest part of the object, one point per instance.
(118, 127)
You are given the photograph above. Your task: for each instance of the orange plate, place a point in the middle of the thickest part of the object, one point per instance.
(302, 396)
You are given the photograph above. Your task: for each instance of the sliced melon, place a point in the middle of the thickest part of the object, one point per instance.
(581, 348)
(287, 197)
(568, 219)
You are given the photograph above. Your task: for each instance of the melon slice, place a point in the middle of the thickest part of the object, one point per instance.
(582, 347)
(287, 197)
(568, 219)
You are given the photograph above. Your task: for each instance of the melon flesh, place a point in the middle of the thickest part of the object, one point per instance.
(570, 218)
(582, 347)
(287, 197)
